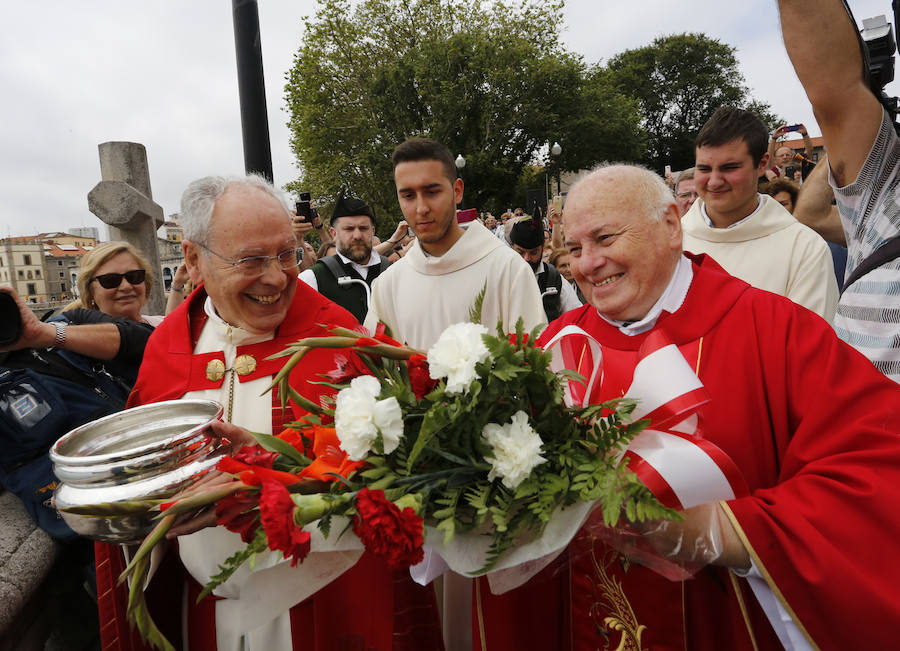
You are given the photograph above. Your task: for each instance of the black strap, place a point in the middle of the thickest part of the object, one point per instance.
(337, 269)
(334, 266)
(888, 251)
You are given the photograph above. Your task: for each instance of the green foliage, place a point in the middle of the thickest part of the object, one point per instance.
(678, 81)
(490, 80)
(475, 312)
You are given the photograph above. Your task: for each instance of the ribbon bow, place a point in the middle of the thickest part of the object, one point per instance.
(671, 457)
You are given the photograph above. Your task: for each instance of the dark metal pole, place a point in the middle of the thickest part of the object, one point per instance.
(251, 88)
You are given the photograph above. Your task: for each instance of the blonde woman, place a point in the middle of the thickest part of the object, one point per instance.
(115, 278)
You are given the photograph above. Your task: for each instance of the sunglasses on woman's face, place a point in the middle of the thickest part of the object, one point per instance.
(112, 281)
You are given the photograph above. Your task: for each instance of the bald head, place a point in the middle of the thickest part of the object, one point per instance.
(645, 193)
(624, 231)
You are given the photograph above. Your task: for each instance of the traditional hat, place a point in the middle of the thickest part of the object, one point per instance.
(351, 207)
(527, 232)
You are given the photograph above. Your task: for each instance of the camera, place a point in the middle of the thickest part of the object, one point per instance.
(879, 46)
(303, 207)
(793, 127)
(789, 172)
(10, 320)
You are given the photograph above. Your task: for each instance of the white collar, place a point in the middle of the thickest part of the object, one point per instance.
(709, 223)
(361, 269)
(672, 299)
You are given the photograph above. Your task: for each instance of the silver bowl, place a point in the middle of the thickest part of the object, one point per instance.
(145, 453)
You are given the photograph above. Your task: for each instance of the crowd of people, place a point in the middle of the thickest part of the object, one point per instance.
(785, 305)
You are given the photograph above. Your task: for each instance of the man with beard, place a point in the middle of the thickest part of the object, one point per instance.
(353, 230)
(527, 239)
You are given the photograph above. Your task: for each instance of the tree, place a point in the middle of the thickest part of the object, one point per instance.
(678, 82)
(491, 82)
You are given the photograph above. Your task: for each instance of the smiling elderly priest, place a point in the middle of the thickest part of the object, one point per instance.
(803, 560)
(240, 251)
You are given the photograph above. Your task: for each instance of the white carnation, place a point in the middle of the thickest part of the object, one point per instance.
(516, 448)
(455, 354)
(389, 421)
(367, 384)
(359, 416)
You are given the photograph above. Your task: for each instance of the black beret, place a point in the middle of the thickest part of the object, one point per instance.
(351, 207)
(527, 233)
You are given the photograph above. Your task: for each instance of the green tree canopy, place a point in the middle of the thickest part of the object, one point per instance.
(679, 81)
(490, 81)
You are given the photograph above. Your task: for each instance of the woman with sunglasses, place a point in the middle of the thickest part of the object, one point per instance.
(115, 279)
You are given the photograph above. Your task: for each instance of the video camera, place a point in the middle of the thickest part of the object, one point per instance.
(878, 48)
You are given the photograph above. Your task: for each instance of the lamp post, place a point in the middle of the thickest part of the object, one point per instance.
(460, 164)
(556, 150)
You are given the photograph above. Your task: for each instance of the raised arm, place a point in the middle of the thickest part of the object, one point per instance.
(100, 340)
(815, 208)
(822, 45)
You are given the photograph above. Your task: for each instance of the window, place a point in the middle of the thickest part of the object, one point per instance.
(32, 288)
(59, 263)
(62, 274)
(37, 273)
(26, 258)
(21, 274)
(30, 274)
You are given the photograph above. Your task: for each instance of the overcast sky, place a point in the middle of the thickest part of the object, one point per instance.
(163, 73)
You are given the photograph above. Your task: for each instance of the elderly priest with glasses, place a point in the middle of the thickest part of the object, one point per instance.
(241, 254)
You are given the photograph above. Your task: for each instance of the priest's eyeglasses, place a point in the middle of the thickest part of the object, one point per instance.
(256, 265)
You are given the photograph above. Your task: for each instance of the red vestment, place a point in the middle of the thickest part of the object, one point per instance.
(370, 606)
(813, 427)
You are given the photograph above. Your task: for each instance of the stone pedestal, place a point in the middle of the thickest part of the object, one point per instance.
(27, 555)
(124, 201)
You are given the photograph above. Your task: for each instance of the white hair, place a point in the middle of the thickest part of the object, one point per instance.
(199, 200)
(647, 191)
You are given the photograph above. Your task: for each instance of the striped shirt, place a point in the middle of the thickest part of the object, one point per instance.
(868, 314)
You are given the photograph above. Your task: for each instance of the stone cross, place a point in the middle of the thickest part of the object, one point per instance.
(123, 200)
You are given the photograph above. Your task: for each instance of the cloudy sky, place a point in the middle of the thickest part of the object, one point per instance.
(163, 73)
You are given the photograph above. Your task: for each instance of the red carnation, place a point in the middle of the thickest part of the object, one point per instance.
(419, 378)
(387, 531)
(276, 509)
(237, 513)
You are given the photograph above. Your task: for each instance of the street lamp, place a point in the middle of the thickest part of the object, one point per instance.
(460, 164)
(556, 150)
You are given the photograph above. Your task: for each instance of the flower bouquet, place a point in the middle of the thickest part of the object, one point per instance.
(471, 439)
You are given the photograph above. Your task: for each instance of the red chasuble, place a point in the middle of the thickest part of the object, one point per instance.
(368, 607)
(814, 429)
